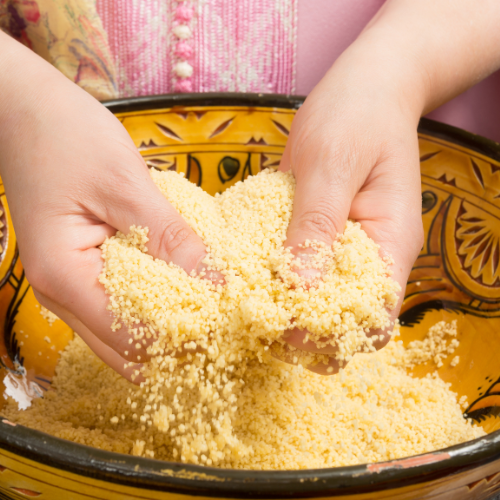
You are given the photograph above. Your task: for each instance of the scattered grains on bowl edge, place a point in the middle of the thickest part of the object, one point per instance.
(438, 344)
(48, 316)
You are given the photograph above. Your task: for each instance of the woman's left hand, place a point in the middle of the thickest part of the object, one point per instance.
(353, 146)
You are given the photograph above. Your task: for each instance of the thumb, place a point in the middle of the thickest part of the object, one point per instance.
(137, 201)
(321, 206)
(323, 195)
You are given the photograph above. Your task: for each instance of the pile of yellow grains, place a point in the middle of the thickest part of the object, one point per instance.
(212, 392)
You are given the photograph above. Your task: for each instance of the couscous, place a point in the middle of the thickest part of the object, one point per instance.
(212, 393)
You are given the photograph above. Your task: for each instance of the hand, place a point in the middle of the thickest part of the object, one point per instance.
(353, 145)
(353, 150)
(73, 176)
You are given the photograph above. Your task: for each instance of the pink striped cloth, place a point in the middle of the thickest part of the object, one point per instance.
(139, 34)
(162, 46)
(282, 46)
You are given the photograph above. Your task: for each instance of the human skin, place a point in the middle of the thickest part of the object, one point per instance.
(73, 176)
(353, 145)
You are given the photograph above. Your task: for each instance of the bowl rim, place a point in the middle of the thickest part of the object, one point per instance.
(188, 479)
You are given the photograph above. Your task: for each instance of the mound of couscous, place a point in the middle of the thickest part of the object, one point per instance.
(212, 393)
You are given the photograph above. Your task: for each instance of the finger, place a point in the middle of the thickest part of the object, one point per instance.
(78, 291)
(312, 219)
(100, 349)
(322, 200)
(134, 199)
(328, 172)
(294, 357)
(297, 338)
(68, 278)
(389, 209)
(320, 209)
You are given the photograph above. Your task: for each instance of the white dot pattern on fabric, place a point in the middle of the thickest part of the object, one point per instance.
(183, 47)
(183, 69)
(183, 32)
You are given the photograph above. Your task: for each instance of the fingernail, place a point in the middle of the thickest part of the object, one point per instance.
(303, 266)
(204, 271)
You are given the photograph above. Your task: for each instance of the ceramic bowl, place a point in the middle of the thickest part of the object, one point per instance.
(217, 140)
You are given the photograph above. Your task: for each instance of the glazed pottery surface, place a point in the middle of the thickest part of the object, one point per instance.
(216, 141)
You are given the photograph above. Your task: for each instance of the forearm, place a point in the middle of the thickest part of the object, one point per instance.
(451, 44)
(23, 77)
(31, 92)
(414, 55)
(35, 98)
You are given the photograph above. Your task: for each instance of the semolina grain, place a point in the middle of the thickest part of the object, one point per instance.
(288, 418)
(49, 316)
(212, 392)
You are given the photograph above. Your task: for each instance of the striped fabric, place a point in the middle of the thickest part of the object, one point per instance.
(140, 42)
(224, 45)
(245, 46)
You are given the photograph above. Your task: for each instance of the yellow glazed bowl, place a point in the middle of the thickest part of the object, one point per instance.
(217, 140)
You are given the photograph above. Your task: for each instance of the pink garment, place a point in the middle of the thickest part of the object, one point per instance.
(245, 46)
(139, 39)
(278, 46)
(327, 27)
(476, 110)
(163, 46)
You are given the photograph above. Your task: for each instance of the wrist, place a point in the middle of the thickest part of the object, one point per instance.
(388, 75)
(440, 51)
(32, 96)
(26, 82)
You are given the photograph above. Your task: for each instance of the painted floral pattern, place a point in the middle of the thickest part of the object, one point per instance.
(478, 241)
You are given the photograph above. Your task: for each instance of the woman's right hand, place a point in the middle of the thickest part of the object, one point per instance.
(73, 176)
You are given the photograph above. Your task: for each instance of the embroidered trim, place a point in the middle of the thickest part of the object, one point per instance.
(183, 50)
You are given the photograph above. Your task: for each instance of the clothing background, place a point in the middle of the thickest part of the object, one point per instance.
(118, 48)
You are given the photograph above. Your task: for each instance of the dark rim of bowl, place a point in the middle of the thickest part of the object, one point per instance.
(196, 480)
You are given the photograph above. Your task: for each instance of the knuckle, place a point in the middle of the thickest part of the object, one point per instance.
(320, 221)
(173, 235)
(317, 221)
